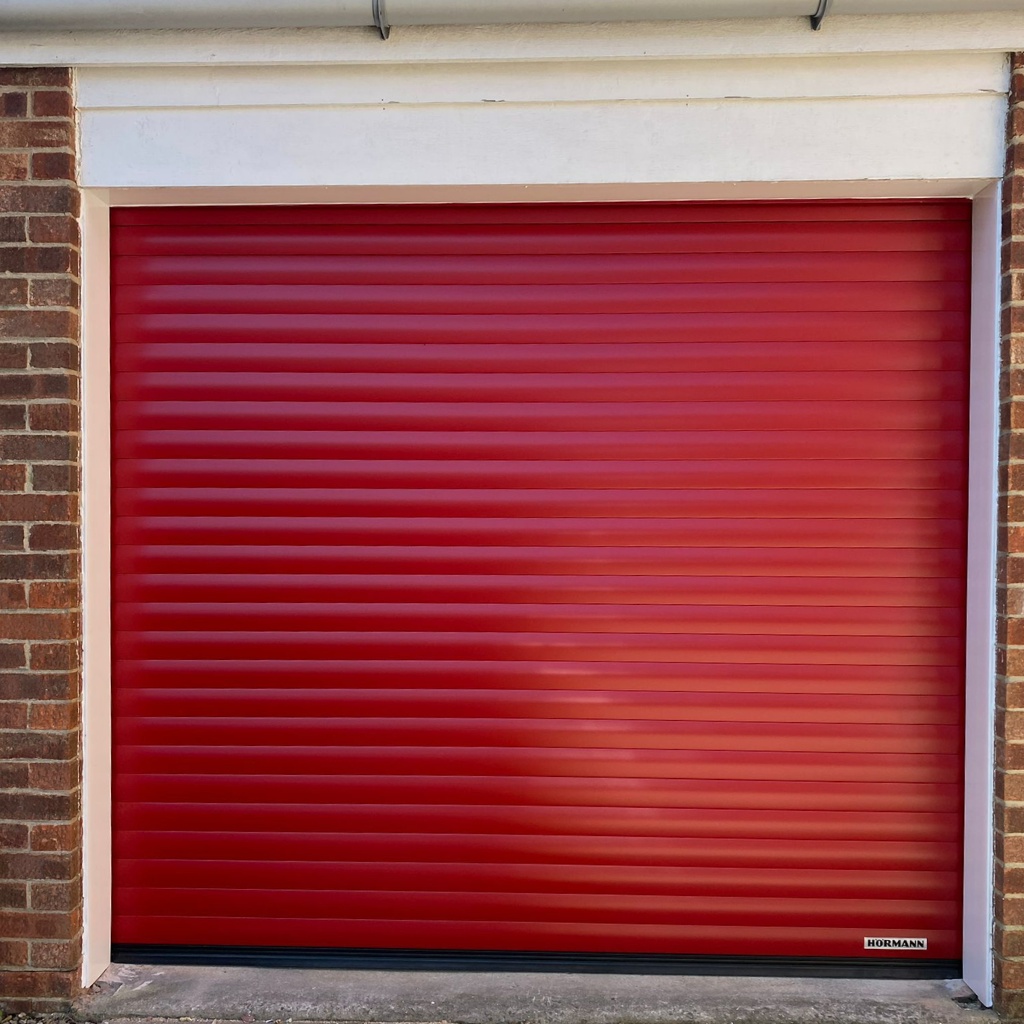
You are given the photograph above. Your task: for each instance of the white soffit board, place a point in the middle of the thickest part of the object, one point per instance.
(82, 15)
(658, 192)
(993, 31)
(899, 117)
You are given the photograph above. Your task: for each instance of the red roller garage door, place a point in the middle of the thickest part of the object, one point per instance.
(541, 578)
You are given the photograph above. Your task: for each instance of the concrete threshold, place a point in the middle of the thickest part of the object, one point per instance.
(257, 994)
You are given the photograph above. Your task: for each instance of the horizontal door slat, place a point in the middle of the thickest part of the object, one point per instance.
(666, 268)
(543, 675)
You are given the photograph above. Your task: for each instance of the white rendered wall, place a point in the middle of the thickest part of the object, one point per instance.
(851, 118)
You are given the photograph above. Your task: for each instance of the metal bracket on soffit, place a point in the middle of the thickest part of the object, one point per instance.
(380, 18)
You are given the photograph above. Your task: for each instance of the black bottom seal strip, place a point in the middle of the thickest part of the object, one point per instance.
(563, 963)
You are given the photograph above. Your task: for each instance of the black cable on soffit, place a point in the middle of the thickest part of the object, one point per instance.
(502, 960)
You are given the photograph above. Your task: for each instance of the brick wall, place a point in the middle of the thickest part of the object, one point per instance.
(40, 792)
(1009, 823)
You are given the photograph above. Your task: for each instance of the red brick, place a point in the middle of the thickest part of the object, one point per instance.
(37, 865)
(53, 838)
(13, 835)
(56, 895)
(53, 77)
(38, 567)
(1011, 287)
(12, 478)
(1011, 818)
(53, 776)
(54, 716)
(13, 895)
(1009, 974)
(13, 292)
(13, 596)
(13, 104)
(12, 538)
(54, 595)
(56, 625)
(13, 417)
(1011, 786)
(40, 508)
(1012, 910)
(38, 447)
(1015, 80)
(36, 923)
(13, 715)
(37, 385)
(12, 229)
(53, 416)
(1015, 480)
(39, 259)
(1017, 415)
(12, 655)
(13, 355)
(13, 953)
(53, 229)
(53, 656)
(55, 355)
(40, 198)
(13, 167)
(1015, 570)
(1013, 729)
(1012, 880)
(53, 291)
(56, 955)
(40, 983)
(53, 167)
(1012, 756)
(55, 478)
(39, 685)
(14, 774)
(1014, 665)
(56, 103)
(53, 537)
(24, 806)
(45, 746)
(31, 134)
(1016, 122)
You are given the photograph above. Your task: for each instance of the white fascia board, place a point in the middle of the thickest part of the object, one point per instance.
(840, 34)
(692, 80)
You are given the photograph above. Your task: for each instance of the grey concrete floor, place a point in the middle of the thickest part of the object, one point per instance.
(252, 994)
